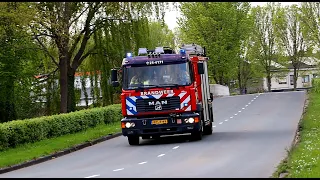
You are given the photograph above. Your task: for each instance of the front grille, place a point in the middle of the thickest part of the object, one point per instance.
(154, 105)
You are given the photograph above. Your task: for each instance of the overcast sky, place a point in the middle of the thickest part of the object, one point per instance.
(171, 17)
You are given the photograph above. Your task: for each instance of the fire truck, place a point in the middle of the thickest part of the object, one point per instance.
(165, 93)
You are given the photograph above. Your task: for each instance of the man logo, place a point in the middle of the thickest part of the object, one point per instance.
(158, 104)
(158, 107)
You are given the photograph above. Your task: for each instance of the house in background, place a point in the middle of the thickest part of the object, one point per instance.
(88, 87)
(282, 77)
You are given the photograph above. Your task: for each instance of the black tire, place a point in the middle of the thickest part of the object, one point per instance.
(198, 134)
(207, 130)
(133, 140)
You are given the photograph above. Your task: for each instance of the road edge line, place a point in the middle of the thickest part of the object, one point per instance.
(58, 154)
(294, 142)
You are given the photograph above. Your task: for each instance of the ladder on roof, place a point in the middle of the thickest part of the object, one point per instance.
(193, 49)
(157, 50)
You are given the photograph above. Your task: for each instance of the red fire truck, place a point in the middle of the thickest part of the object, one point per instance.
(165, 93)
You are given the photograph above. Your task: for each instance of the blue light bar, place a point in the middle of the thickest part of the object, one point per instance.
(129, 54)
(182, 51)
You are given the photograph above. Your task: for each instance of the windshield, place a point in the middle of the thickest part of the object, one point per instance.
(156, 76)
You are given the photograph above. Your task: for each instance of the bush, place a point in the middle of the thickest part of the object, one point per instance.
(18, 132)
(316, 85)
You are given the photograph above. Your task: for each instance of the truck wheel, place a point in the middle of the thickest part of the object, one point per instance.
(133, 140)
(208, 129)
(198, 134)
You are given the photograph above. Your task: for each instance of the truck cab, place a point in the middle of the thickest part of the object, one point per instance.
(165, 93)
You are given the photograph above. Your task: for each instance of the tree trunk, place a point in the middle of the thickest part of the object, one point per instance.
(220, 79)
(63, 85)
(71, 94)
(240, 80)
(295, 77)
(269, 83)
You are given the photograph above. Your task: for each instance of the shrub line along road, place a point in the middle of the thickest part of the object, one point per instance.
(251, 136)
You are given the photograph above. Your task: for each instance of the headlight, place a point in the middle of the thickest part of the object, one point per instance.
(129, 125)
(191, 120)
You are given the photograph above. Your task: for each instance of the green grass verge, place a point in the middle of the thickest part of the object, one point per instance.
(304, 158)
(45, 147)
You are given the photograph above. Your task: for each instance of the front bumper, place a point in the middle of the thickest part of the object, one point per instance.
(143, 126)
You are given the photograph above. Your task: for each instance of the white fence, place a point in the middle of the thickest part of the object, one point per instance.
(219, 90)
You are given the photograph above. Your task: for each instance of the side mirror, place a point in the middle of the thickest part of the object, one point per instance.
(114, 78)
(200, 68)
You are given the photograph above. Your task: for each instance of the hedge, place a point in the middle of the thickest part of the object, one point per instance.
(18, 132)
(316, 85)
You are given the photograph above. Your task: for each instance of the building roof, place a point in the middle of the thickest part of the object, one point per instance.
(306, 62)
(302, 65)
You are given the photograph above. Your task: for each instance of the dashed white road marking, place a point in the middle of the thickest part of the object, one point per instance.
(92, 176)
(229, 118)
(175, 147)
(119, 169)
(143, 162)
(161, 155)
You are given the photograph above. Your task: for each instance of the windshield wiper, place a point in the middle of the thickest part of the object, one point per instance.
(143, 86)
(169, 84)
(151, 85)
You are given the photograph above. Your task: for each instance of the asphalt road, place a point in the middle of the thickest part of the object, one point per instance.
(251, 135)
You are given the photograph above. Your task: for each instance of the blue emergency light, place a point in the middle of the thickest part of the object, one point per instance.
(182, 52)
(129, 55)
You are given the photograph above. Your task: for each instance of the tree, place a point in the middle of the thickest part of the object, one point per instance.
(18, 55)
(289, 31)
(244, 25)
(62, 22)
(310, 21)
(263, 37)
(160, 35)
(217, 26)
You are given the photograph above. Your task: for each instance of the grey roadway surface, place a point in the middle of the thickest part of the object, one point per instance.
(251, 135)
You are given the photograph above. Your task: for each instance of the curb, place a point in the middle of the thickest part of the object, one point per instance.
(58, 154)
